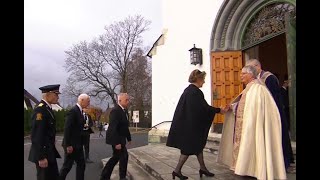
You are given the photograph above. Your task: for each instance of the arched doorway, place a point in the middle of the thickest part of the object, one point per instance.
(252, 29)
(272, 54)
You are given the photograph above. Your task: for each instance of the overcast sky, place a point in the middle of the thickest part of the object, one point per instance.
(53, 26)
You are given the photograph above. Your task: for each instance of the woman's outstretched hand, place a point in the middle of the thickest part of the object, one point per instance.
(224, 109)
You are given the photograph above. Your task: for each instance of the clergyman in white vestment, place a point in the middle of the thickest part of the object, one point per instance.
(251, 136)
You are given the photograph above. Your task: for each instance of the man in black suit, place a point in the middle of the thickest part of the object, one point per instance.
(72, 141)
(86, 134)
(285, 100)
(117, 135)
(43, 151)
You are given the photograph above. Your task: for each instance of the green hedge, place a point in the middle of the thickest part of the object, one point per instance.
(59, 120)
(27, 120)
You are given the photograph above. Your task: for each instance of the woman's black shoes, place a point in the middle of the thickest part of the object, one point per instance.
(207, 173)
(179, 175)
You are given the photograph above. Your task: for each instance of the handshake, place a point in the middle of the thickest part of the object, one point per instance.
(227, 107)
(224, 109)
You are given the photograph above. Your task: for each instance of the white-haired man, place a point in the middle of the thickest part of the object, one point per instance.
(272, 83)
(251, 136)
(72, 141)
(43, 151)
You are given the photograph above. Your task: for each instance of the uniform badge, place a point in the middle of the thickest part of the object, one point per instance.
(41, 104)
(39, 116)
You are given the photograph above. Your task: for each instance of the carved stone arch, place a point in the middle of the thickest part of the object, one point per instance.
(232, 20)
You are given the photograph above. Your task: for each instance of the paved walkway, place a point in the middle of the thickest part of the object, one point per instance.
(160, 160)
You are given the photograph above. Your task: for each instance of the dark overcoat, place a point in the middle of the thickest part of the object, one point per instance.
(191, 122)
(118, 130)
(73, 128)
(272, 83)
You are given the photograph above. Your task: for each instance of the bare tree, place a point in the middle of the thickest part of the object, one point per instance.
(72, 89)
(88, 71)
(101, 66)
(120, 42)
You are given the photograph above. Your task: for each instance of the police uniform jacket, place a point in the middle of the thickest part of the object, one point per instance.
(43, 134)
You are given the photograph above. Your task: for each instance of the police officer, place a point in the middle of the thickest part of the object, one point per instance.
(43, 151)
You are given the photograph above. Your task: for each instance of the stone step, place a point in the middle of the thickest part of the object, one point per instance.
(137, 172)
(214, 142)
(214, 137)
(115, 172)
(134, 171)
(212, 145)
(144, 161)
(159, 161)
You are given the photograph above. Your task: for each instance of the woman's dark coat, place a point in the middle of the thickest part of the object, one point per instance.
(191, 122)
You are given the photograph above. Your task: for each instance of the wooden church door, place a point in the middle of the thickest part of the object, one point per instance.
(225, 75)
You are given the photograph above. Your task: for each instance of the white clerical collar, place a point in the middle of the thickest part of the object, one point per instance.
(79, 107)
(47, 103)
(121, 107)
(259, 75)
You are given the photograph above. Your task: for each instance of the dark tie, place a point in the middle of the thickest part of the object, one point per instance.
(50, 111)
(126, 112)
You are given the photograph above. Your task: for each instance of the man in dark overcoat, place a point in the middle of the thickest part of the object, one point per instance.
(72, 141)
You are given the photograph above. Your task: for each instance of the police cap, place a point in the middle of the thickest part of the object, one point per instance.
(50, 88)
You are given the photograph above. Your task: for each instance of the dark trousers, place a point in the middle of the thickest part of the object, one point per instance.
(76, 155)
(49, 173)
(286, 144)
(291, 157)
(86, 144)
(118, 155)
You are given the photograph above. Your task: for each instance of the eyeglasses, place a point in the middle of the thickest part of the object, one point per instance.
(56, 93)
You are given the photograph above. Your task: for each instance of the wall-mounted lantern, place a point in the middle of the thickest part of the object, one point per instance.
(195, 55)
